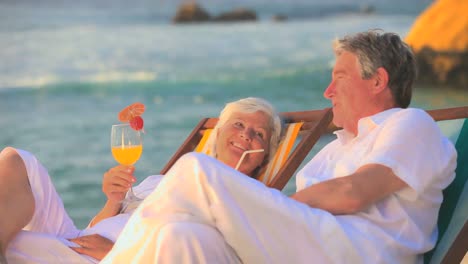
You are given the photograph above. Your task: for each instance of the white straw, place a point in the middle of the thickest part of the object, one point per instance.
(245, 153)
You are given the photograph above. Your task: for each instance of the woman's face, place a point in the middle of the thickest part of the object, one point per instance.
(242, 132)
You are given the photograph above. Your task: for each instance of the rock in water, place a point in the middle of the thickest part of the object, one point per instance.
(439, 38)
(240, 14)
(191, 12)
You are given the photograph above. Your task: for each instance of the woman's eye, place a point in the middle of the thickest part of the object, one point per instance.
(238, 124)
(260, 134)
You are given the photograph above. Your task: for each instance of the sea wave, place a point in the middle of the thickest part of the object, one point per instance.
(55, 80)
(97, 54)
(115, 76)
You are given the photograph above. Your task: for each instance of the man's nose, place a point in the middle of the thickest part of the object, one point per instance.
(330, 91)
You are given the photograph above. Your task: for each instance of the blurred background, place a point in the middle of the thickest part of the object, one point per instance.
(68, 67)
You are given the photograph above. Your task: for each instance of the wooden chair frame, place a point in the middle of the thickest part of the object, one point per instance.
(316, 123)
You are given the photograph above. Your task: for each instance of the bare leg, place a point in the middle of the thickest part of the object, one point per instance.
(16, 197)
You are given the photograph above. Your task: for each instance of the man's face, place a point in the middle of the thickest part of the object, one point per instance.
(350, 95)
(242, 132)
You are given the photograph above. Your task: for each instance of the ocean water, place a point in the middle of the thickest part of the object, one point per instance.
(68, 68)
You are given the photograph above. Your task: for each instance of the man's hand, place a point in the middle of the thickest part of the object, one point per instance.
(94, 245)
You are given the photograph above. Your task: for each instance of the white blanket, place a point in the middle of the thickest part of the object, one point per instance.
(254, 224)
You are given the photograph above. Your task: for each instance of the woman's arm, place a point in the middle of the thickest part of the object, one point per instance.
(115, 185)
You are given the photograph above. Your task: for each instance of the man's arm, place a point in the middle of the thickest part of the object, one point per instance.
(352, 193)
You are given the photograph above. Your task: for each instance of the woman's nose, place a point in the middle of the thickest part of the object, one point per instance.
(247, 134)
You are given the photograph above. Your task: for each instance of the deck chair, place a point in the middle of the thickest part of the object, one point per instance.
(452, 244)
(306, 125)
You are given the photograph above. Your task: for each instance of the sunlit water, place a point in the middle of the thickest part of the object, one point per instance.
(63, 81)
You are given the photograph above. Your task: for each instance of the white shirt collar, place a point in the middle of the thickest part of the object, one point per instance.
(365, 125)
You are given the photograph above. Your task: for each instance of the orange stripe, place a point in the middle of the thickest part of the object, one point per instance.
(201, 145)
(279, 159)
(272, 164)
(284, 153)
(291, 142)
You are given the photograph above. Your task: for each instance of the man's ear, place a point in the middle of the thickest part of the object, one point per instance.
(380, 80)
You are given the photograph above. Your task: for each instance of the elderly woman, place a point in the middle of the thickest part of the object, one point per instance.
(39, 230)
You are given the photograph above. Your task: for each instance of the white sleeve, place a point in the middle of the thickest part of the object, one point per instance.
(147, 186)
(412, 145)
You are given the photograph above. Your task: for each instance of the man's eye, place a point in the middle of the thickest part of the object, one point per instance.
(339, 76)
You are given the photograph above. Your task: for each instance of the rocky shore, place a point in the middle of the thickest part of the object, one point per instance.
(439, 37)
(192, 12)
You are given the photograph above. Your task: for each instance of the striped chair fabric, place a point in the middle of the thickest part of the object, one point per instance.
(282, 153)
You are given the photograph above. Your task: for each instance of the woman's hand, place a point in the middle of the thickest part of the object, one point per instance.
(115, 184)
(117, 181)
(95, 246)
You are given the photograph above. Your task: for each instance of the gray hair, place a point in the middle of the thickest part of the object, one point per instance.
(249, 105)
(375, 49)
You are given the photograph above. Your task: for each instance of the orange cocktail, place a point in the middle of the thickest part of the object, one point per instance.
(127, 155)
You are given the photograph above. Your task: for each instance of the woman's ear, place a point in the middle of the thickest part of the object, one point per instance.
(380, 80)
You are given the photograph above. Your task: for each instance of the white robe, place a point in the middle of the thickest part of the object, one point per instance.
(44, 239)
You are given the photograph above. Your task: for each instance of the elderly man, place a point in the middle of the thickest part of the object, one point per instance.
(370, 196)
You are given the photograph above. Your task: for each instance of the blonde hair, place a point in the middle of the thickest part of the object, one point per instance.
(249, 105)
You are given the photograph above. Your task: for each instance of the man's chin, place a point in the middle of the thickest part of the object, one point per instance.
(337, 123)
